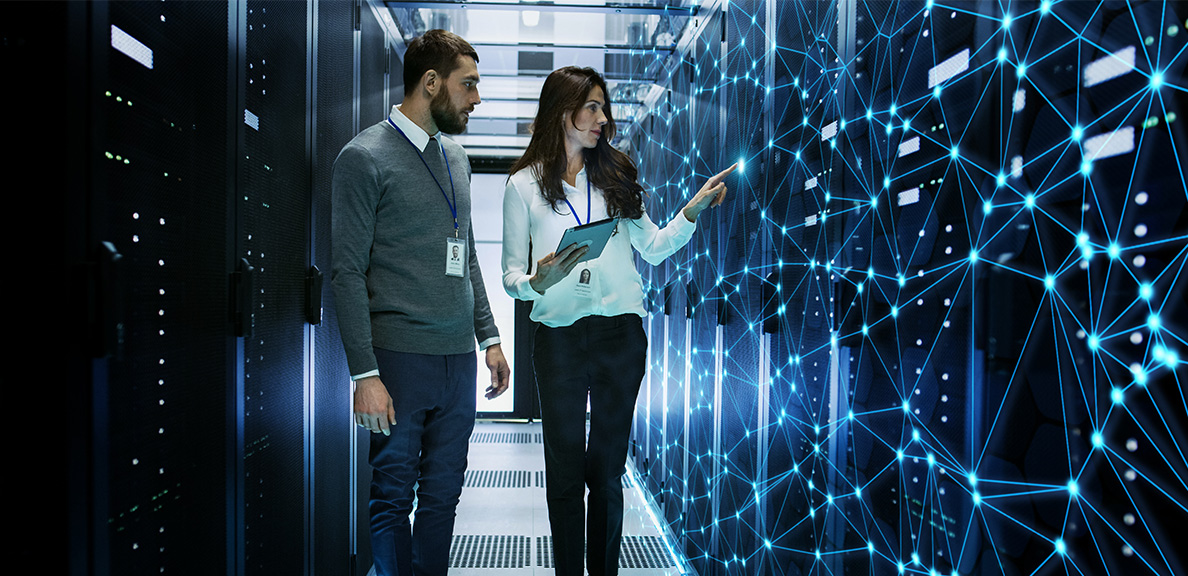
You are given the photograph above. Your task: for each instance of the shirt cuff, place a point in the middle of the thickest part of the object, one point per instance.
(525, 291)
(488, 343)
(365, 375)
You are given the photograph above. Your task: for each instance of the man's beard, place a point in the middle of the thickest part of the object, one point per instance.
(447, 119)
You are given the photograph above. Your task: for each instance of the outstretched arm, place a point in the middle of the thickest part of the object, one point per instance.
(711, 194)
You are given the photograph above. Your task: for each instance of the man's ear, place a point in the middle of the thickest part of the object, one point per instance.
(431, 82)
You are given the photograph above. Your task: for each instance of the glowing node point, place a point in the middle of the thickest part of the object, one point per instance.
(1029, 201)
(1049, 282)
(987, 207)
(1145, 291)
(973, 256)
(1097, 440)
(894, 311)
(1001, 180)
(1094, 342)
(1021, 70)
(1153, 322)
(1006, 21)
(1114, 250)
(1157, 80)
(1116, 395)
(886, 182)
(1086, 167)
(1140, 375)
(977, 498)
(1077, 132)
(1002, 54)
(1045, 6)
(1060, 548)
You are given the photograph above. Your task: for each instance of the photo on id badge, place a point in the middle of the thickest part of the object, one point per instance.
(582, 289)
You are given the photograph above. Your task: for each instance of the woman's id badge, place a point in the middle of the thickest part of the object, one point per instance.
(583, 289)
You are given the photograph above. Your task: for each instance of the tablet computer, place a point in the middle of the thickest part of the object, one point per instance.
(594, 235)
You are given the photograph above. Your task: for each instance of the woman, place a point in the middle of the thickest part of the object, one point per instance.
(591, 339)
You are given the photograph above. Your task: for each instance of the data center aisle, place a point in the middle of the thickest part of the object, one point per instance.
(503, 523)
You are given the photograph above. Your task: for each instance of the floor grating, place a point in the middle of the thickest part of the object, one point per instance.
(489, 551)
(635, 552)
(505, 438)
(497, 479)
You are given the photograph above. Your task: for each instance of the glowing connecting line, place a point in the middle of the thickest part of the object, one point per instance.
(946, 288)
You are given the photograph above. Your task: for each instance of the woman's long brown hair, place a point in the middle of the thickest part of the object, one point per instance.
(566, 90)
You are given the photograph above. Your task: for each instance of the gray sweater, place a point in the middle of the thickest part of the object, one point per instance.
(389, 228)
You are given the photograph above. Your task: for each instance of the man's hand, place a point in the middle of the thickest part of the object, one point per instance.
(500, 372)
(373, 405)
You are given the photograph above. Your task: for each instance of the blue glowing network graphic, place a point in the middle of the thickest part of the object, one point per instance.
(939, 327)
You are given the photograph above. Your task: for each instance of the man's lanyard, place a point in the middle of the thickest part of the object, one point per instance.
(453, 206)
(588, 202)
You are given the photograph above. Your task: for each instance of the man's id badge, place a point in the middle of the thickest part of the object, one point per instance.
(455, 257)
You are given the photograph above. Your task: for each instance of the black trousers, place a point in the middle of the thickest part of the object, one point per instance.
(604, 358)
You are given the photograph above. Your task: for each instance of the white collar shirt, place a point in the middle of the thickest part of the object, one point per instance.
(412, 131)
(615, 285)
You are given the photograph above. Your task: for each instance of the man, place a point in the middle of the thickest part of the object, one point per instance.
(409, 312)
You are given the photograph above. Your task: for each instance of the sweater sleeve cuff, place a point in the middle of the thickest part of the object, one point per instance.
(488, 343)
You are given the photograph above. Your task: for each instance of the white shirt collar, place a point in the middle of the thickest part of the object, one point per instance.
(579, 180)
(415, 133)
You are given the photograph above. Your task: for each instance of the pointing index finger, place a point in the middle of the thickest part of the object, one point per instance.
(723, 174)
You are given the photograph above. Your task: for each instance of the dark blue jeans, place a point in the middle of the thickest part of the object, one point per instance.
(604, 358)
(434, 398)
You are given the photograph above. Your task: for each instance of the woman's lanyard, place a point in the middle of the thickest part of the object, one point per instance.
(588, 202)
(453, 206)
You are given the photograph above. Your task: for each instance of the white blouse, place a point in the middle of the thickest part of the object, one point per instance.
(615, 286)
